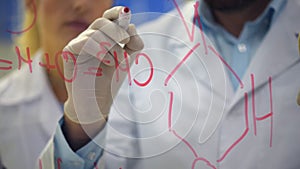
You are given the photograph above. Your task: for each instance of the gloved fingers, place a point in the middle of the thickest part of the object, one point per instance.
(105, 48)
(111, 29)
(113, 13)
(75, 45)
(97, 44)
(135, 43)
(92, 49)
(106, 51)
(119, 54)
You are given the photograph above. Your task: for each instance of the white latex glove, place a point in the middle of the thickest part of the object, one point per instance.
(90, 97)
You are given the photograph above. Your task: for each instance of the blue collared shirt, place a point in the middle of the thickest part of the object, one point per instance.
(238, 52)
(84, 158)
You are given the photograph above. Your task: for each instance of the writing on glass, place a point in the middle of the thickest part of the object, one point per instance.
(6, 65)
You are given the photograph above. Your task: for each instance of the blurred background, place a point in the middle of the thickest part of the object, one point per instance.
(10, 19)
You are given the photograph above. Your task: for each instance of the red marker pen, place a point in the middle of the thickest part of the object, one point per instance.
(124, 18)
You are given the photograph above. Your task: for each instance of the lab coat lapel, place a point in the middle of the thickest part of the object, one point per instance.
(210, 73)
(212, 77)
(276, 54)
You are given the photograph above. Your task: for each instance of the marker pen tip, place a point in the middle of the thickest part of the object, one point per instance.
(126, 9)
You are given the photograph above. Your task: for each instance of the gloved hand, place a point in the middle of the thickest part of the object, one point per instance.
(91, 93)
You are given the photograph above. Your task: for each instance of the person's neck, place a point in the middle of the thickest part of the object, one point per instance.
(56, 81)
(234, 21)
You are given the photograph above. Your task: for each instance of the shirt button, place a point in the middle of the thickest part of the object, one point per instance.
(92, 156)
(242, 47)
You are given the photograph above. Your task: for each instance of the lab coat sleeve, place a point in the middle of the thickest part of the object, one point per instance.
(58, 154)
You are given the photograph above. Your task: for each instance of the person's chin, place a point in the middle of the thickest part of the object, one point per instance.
(229, 5)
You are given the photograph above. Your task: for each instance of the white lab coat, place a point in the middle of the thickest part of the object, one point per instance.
(202, 95)
(29, 113)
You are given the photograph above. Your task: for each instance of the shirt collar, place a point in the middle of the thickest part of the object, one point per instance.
(276, 6)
